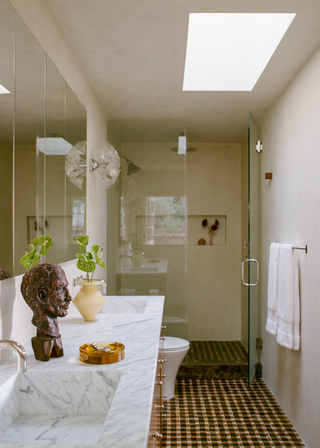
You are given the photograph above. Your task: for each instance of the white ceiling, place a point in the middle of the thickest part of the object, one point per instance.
(133, 54)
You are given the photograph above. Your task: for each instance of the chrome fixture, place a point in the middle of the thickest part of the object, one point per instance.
(132, 168)
(21, 353)
(109, 162)
(182, 147)
(189, 149)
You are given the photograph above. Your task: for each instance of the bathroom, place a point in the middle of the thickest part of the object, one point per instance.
(289, 213)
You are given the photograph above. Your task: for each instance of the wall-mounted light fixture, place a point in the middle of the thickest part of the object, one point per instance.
(132, 168)
(108, 164)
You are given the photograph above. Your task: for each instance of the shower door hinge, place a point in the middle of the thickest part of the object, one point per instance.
(259, 146)
(258, 343)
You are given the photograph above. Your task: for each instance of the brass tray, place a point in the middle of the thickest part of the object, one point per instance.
(102, 352)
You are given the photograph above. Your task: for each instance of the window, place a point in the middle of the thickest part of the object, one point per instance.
(164, 221)
(78, 217)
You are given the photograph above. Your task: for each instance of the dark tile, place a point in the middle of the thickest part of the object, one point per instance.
(225, 414)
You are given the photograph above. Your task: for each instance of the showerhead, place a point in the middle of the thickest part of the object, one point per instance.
(132, 168)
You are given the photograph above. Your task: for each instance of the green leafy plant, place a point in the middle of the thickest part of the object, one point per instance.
(31, 258)
(88, 261)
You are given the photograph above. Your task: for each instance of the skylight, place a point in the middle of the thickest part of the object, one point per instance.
(3, 90)
(53, 146)
(228, 52)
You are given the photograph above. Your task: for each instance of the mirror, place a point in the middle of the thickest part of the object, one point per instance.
(41, 119)
(6, 135)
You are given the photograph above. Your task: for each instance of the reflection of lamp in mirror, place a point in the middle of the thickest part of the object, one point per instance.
(108, 164)
(131, 167)
(76, 164)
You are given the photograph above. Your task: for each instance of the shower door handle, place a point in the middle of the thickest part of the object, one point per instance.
(242, 276)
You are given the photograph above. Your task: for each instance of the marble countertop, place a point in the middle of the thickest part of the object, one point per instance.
(135, 322)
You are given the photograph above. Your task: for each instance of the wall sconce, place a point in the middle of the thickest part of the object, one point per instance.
(132, 168)
(108, 164)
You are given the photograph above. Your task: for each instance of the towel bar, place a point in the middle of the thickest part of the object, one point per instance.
(299, 248)
(302, 248)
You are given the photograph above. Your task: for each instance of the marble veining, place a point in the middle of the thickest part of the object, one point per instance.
(126, 401)
(9, 402)
(67, 392)
(54, 430)
(124, 306)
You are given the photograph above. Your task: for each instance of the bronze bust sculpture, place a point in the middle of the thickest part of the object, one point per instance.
(4, 274)
(45, 289)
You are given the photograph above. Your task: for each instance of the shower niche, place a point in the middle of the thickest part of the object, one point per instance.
(197, 231)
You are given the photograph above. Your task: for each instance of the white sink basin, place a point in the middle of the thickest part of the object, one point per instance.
(124, 306)
(142, 269)
(56, 408)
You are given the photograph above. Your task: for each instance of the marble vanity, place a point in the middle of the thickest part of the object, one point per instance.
(67, 403)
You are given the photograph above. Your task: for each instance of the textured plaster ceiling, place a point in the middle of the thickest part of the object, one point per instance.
(133, 54)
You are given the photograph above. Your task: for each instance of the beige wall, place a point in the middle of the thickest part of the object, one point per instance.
(291, 214)
(113, 223)
(25, 199)
(214, 272)
(6, 259)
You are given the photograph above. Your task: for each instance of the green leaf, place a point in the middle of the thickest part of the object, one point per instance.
(86, 265)
(85, 256)
(100, 262)
(94, 249)
(44, 241)
(83, 241)
(31, 258)
(98, 259)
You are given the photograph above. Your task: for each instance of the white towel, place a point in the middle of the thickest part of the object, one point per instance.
(288, 333)
(271, 326)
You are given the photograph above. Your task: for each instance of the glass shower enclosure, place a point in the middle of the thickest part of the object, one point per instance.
(149, 257)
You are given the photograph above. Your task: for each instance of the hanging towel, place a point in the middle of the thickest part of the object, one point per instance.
(288, 333)
(271, 326)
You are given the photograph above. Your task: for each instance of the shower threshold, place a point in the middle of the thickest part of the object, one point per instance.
(215, 359)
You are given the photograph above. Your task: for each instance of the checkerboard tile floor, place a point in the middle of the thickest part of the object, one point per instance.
(216, 352)
(226, 414)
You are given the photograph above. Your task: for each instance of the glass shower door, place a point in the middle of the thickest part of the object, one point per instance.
(150, 259)
(253, 246)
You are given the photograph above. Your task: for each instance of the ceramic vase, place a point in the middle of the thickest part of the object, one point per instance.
(89, 299)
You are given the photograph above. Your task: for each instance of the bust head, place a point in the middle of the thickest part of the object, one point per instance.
(45, 289)
(4, 274)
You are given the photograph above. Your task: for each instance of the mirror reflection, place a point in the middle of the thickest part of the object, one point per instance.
(41, 119)
(6, 137)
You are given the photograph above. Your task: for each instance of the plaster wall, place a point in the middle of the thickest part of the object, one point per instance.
(291, 214)
(25, 200)
(113, 223)
(6, 259)
(214, 272)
